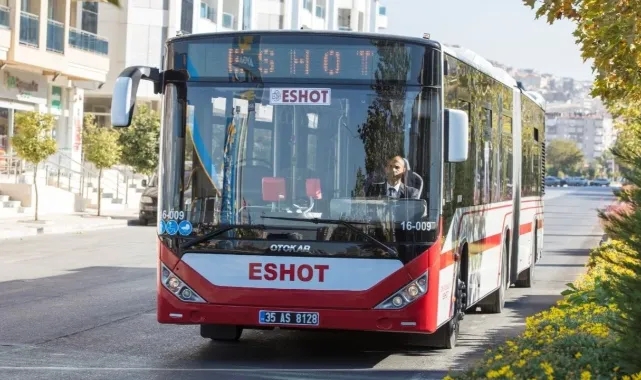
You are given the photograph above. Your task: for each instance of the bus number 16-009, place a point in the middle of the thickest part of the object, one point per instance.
(417, 226)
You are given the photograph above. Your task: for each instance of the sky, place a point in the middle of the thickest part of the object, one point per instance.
(500, 30)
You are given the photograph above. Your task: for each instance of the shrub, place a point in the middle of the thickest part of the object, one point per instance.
(572, 340)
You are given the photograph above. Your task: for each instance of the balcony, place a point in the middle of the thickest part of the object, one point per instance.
(55, 36)
(86, 41)
(29, 29)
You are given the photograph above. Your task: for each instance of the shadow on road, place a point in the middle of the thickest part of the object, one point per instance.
(571, 252)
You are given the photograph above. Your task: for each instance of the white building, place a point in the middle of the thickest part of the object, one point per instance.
(46, 46)
(593, 132)
(141, 27)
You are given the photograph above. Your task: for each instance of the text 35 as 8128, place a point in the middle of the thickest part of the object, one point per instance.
(288, 318)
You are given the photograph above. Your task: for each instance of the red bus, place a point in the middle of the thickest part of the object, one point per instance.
(339, 181)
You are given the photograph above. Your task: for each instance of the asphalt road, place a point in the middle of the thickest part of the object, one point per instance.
(82, 306)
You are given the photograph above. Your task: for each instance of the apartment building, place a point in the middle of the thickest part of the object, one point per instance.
(592, 131)
(46, 46)
(142, 26)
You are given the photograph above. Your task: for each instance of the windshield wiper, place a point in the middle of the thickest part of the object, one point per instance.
(218, 231)
(348, 225)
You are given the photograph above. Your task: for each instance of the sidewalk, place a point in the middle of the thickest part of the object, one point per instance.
(24, 225)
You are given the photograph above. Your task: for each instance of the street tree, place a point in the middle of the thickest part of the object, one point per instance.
(608, 34)
(33, 143)
(564, 155)
(627, 148)
(101, 148)
(141, 141)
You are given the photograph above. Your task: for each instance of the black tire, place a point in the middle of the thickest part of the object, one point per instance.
(495, 302)
(221, 333)
(143, 221)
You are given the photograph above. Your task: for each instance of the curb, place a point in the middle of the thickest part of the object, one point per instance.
(59, 230)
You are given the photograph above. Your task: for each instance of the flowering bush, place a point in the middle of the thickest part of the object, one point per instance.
(616, 210)
(572, 340)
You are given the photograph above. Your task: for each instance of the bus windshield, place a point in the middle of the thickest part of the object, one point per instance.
(271, 155)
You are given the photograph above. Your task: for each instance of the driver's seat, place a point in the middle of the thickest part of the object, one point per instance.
(412, 179)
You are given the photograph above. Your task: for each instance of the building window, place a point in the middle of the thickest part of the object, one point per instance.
(90, 17)
(228, 20)
(187, 16)
(206, 11)
(382, 11)
(247, 12)
(320, 11)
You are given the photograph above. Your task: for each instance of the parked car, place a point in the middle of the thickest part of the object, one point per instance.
(552, 181)
(600, 182)
(148, 207)
(577, 181)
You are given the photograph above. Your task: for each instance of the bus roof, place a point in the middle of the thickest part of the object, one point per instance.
(463, 54)
(307, 32)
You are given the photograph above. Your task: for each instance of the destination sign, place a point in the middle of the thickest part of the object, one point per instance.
(262, 58)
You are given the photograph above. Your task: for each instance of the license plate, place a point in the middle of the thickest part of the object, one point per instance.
(288, 318)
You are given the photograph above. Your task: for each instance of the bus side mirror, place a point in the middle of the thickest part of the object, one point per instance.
(456, 135)
(123, 100)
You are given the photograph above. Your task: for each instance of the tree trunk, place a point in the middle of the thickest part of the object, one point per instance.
(99, 190)
(35, 188)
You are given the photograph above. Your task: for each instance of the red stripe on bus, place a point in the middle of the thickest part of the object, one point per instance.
(484, 244)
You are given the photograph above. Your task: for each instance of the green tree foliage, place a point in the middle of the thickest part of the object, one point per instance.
(141, 141)
(608, 33)
(101, 148)
(627, 146)
(565, 156)
(624, 226)
(33, 142)
(383, 131)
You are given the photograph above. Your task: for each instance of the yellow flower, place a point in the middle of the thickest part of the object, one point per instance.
(504, 372)
(577, 355)
(585, 375)
(547, 368)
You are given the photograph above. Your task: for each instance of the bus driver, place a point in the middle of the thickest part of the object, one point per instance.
(394, 186)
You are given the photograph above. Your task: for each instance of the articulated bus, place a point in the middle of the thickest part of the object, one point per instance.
(277, 148)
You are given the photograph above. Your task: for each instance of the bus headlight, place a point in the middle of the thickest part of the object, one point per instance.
(177, 287)
(406, 295)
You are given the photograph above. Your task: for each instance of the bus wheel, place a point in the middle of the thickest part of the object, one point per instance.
(495, 302)
(526, 278)
(447, 335)
(222, 333)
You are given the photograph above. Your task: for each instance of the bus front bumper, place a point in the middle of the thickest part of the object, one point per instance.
(411, 319)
